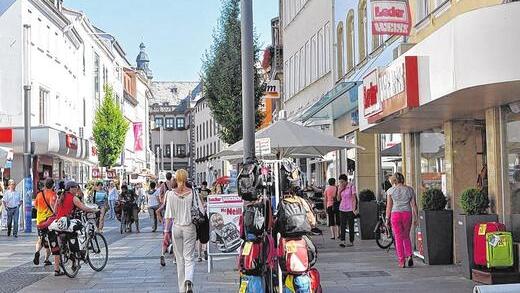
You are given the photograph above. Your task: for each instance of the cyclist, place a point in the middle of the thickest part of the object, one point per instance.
(66, 203)
(130, 205)
(44, 202)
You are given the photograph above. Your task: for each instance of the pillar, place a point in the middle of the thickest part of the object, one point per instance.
(494, 165)
(365, 162)
(461, 164)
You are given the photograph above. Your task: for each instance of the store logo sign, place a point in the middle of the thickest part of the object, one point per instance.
(390, 17)
(392, 81)
(272, 89)
(371, 101)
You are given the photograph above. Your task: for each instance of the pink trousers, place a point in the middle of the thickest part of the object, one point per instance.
(401, 225)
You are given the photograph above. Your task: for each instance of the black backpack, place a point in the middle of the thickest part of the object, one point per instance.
(247, 182)
(292, 217)
(257, 218)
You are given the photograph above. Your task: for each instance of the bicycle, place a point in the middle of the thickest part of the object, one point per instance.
(93, 247)
(126, 226)
(383, 232)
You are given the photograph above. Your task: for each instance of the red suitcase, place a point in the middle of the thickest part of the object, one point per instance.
(479, 240)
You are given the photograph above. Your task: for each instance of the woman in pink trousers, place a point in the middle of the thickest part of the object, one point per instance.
(402, 208)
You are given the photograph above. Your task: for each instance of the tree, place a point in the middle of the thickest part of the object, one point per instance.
(110, 128)
(222, 75)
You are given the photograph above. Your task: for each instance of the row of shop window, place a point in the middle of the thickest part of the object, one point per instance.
(180, 150)
(170, 122)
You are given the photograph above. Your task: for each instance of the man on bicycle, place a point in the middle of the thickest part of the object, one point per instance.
(130, 207)
(66, 203)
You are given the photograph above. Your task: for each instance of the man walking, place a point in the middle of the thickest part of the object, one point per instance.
(12, 201)
(112, 198)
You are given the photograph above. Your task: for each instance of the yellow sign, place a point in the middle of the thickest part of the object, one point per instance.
(247, 248)
(482, 229)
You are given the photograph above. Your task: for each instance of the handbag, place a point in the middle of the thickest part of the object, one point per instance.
(197, 217)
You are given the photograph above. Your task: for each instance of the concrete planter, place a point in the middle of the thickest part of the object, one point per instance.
(464, 229)
(367, 219)
(437, 227)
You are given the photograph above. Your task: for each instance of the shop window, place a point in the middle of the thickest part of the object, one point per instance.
(513, 167)
(362, 29)
(44, 100)
(339, 49)
(169, 123)
(350, 40)
(432, 145)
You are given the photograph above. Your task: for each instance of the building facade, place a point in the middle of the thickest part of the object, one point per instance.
(207, 144)
(68, 62)
(171, 119)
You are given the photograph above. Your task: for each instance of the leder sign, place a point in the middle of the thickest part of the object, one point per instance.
(390, 17)
(392, 89)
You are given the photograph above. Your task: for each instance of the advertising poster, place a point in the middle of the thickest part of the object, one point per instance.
(224, 211)
(138, 136)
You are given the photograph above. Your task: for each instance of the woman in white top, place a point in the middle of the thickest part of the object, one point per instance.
(178, 207)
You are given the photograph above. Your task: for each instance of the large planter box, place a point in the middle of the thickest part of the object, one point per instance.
(464, 229)
(437, 228)
(367, 219)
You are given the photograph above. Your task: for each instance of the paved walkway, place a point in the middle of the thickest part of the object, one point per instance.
(134, 267)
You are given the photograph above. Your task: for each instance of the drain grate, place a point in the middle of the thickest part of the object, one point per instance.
(366, 274)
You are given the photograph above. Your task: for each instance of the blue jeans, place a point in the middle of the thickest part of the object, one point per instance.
(111, 207)
(12, 214)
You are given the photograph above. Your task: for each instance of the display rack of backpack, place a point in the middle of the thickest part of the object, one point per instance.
(257, 257)
(296, 252)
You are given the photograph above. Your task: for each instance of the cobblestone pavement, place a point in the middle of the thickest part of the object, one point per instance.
(134, 267)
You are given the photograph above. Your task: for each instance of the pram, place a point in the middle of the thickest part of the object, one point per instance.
(121, 210)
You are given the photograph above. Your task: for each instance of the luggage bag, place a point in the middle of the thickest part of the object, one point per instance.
(499, 249)
(479, 240)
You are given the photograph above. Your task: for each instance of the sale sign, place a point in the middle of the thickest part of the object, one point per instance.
(391, 17)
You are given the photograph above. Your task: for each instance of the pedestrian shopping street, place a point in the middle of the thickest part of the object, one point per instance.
(133, 266)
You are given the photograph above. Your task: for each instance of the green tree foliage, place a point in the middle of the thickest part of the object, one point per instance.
(110, 128)
(222, 76)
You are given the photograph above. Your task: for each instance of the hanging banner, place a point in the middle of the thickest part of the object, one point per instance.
(224, 212)
(138, 136)
(391, 17)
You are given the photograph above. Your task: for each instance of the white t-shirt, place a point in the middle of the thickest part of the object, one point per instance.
(178, 207)
(153, 198)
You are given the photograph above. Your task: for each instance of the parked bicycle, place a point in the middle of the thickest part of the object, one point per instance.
(93, 247)
(383, 232)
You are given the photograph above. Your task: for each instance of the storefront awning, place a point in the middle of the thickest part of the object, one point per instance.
(335, 103)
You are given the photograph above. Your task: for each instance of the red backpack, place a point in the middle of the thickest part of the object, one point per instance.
(250, 260)
(314, 274)
(296, 255)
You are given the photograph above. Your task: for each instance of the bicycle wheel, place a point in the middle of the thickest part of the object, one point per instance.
(384, 237)
(97, 256)
(68, 262)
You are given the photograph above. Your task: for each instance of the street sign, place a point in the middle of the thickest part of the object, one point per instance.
(263, 146)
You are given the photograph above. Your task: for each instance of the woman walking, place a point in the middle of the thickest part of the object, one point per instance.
(347, 208)
(332, 205)
(179, 202)
(153, 203)
(401, 205)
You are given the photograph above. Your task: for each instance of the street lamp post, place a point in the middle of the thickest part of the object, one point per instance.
(27, 194)
(248, 99)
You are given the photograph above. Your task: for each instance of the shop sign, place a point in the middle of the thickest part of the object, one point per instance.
(224, 212)
(111, 174)
(371, 104)
(272, 89)
(71, 141)
(6, 135)
(397, 89)
(390, 17)
(96, 173)
(263, 146)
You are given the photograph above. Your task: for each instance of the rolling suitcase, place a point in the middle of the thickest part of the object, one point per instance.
(479, 240)
(499, 249)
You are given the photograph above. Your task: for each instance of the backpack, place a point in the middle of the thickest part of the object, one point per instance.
(314, 274)
(297, 284)
(297, 255)
(247, 182)
(257, 219)
(251, 284)
(250, 260)
(293, 217)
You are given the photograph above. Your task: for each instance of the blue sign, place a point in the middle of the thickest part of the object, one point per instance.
(28, 191)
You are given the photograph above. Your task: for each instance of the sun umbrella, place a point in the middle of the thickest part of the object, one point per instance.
(289, 139)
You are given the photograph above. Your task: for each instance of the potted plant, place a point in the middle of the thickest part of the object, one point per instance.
(436, 223)
(367, 214)
(474, 203)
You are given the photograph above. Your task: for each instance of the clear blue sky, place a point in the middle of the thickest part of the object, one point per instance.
(176, 32)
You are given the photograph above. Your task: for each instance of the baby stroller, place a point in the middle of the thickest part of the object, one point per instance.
(125, 217)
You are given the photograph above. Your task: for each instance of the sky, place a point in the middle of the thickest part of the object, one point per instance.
(176, 32)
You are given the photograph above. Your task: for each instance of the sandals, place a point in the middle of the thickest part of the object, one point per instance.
(410, 261)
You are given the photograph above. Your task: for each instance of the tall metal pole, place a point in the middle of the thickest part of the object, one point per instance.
(161, 147)
(248, 98)
(171, 155)
(27, 194)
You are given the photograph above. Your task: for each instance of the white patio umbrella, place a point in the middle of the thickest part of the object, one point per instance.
(289, 139)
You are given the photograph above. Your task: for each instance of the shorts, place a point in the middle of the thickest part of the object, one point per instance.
(333, 217)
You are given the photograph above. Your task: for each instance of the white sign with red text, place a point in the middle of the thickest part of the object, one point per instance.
(371, 100)
(390, 17)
